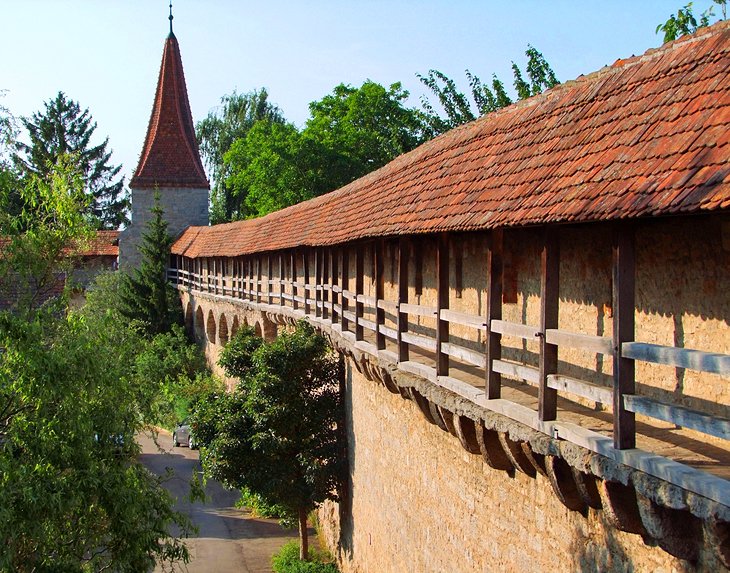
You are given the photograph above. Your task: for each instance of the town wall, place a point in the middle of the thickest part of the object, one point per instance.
(415, 500)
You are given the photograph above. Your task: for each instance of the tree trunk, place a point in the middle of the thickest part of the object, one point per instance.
(303, 539)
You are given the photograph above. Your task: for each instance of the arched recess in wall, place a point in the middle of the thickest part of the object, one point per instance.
(199, 324)
(210, 327)
(234, 326)
(222, 330)
(189, 318)
(259, 332)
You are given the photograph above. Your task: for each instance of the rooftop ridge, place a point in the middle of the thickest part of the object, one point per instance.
(170, 156)
(645, 136)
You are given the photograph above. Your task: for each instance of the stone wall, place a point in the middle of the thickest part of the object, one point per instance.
(417, 501)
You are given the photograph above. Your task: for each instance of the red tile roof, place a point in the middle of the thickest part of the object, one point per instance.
(170, 156)
(99, 244)
(648, 136)
(102, 244)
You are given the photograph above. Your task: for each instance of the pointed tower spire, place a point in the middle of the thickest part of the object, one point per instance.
(170, 156)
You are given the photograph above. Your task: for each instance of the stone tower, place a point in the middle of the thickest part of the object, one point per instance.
(170, 162)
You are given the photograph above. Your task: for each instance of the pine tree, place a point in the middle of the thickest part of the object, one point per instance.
(146, 296)
(63, 129)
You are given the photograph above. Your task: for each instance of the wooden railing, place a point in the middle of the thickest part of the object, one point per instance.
(361, 318)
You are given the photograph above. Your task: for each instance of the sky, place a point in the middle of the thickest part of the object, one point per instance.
(105, 54)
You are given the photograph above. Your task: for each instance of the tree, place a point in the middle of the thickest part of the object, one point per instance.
(350, 132)
(216, 134)
(362, 129)
(459, 109)
(685, 22)
(278, 433)
(145, 295)
(62, 129)
(72, 495)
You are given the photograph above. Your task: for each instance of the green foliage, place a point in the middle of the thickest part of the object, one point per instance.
(684, 22)
(459, 109)
(145, 295)
(350, 132)
(72, 495)
(37, 247)
(269, 169)
(259, 507)
(62, 129)
(277, 433)
(217, 133)
(236, 358)
(287, 561)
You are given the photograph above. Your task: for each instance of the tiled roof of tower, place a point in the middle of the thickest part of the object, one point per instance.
(648, 136)
(170, 156)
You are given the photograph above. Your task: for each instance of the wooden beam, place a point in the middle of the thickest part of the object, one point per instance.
(359, 270)
(294, 290)
(493, 379)
(442, 298)
(332, 254)
(305, 278)
(624, 424)
(679, 357)
(549, 299)
(281, 279)
(379, 271)
(403, 254)
(269, 279)
(344, 303)
(258, 279)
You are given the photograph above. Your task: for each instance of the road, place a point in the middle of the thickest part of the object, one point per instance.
(229, 539)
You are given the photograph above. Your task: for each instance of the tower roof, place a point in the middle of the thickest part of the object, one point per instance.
(170, 156)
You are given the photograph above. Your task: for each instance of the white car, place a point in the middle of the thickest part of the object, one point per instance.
(183, 436)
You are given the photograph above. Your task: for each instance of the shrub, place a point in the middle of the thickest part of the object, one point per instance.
(287, 561)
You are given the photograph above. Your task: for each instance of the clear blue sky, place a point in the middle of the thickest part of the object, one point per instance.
(106, 53)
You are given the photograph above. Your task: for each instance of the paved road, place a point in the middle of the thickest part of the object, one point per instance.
(229, 539)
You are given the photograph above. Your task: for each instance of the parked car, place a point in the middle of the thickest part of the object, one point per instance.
(183, 436)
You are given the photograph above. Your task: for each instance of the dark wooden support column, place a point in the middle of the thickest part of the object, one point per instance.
(359, 271)
(305, 278)
(549, 298)
(404, 249)
(494, 312)
(332, 254)
(624, 304)
(281, 279)
(326, 282)
(442, 296)
(345, 284)
(269, 278)
(294, 290)
(258, 279)
(318, 282)
(378, 270)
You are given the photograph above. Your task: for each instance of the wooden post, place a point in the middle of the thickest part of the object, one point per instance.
(345, 284)
(403, 254)
(442, 302)
(333, 276)
(305, 278)
(294, 290)
(269, 266)
(359, 271)
(281, 279)
(549, 298)
(325, 262)
(494, 312)
(378, 270)
(624, 287)
(258, 279)
(318, 282)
